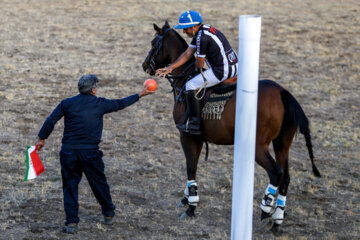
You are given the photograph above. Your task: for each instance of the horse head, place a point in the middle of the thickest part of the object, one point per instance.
(166, 47)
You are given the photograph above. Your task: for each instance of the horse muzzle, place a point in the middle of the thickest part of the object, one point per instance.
(148, 69)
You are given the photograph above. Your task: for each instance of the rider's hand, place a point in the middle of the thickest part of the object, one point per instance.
(162, 72)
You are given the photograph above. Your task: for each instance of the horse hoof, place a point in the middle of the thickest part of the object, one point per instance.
(266, 224)
(276, 230)
(265, 215)
(266, 221)
(180, 205)
(183, 203)
(185, 216)
(189, 213)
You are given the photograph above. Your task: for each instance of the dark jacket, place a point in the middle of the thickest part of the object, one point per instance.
(83, 116)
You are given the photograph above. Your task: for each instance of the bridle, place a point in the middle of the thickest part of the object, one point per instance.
(154, 52)
(177, 91)
(153, 65)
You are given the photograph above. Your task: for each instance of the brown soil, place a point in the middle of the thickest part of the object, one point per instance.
(310, 47)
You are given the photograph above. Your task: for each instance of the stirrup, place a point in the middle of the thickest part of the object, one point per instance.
(189, 128)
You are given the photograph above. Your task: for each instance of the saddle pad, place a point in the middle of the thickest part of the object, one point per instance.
(215, 105)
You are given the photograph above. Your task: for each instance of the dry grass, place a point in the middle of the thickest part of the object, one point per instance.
(311, 48)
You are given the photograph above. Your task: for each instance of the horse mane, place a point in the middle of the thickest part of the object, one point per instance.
(181, 39)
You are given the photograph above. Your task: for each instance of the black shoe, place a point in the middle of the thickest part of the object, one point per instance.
(108, 220)
(71, 228)
(192, 125)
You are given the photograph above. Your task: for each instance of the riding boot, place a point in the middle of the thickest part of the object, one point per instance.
(192, 125)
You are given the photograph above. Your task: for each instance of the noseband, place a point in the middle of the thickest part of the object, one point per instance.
(154, 52)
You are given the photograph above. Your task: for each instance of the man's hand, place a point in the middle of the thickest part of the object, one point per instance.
(40, 143)
(145, 92)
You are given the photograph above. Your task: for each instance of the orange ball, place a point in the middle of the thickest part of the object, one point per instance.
(150, 84)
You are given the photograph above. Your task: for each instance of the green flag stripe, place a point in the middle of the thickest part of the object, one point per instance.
(27, 163)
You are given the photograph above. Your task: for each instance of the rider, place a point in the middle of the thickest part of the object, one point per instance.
(210, 46)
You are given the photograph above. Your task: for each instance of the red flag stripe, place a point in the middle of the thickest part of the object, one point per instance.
(38, 167)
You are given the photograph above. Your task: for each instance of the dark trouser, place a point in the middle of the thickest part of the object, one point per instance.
(73, 164)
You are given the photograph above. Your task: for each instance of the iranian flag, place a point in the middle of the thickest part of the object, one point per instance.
(33, 164)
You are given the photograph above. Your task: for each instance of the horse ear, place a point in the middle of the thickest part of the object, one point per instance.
(167, 24)
(157, 29)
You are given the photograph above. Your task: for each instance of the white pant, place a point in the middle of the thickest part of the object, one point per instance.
(198, 81)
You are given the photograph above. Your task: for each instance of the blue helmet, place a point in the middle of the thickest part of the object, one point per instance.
(189, 19)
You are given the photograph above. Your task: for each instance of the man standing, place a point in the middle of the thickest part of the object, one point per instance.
(210, 46)
(83, 120)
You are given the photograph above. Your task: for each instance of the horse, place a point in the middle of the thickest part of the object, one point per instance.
(279, 117)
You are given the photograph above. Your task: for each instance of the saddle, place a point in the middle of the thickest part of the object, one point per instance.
(213, 103)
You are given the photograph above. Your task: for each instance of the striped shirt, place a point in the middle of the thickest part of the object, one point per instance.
(212, 45)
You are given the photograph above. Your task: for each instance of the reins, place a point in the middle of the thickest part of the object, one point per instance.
(203, 87)
(173, 80)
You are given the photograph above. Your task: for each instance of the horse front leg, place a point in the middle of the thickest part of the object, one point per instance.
(192, 145)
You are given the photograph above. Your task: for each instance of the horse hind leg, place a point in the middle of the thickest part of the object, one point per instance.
(264, 159)
(279, 214)
(281, 148)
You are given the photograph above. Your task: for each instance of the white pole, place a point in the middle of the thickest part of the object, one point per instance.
(245, 126)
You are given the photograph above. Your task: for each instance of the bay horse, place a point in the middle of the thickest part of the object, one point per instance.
(279, 116)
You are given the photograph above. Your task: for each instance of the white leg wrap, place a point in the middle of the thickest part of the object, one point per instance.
(190, 193)
(281, 200)
(278, 215)
(193, 200)
(271, 189)
(268, 203)
(186, 190)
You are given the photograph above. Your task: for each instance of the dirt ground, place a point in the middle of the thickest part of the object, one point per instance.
(310, 47)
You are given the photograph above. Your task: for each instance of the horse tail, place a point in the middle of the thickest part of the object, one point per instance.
(295, 116)
(207, 150)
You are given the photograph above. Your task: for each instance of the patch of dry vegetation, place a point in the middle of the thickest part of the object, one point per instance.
(311, 48)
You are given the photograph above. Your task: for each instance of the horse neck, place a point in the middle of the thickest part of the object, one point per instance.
(179, 46)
